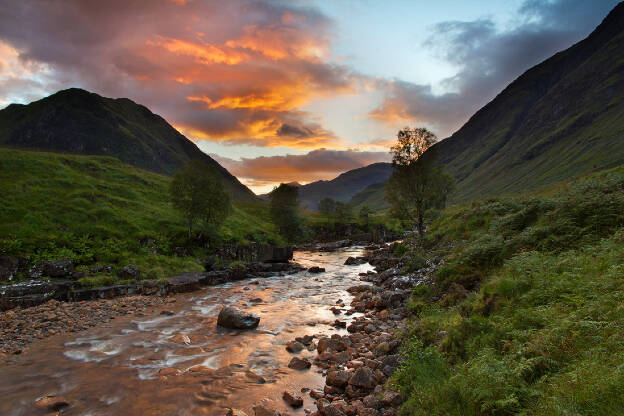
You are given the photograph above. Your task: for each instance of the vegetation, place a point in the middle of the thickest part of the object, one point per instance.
(99, 210)
(525, 316)
(197, 192)
(285, 211)
(417, 184)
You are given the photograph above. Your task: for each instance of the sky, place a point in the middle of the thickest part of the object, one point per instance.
(281, 91)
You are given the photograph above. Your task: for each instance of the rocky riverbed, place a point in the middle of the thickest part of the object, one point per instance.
(325, 345)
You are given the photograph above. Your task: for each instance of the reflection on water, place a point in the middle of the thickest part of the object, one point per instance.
(182, 364)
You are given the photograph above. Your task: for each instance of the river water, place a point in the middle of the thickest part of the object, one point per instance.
(182, 364)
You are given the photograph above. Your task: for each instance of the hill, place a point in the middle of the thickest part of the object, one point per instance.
(345, 186)
(561, 119)
(524, 314)
(372, 196)
(98, 209)
(80, 122)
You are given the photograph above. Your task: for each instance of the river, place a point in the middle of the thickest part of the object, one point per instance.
(181, 363)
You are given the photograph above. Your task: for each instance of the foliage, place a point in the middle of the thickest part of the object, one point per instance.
(327, 207)
(198, 193)
(364, 216)
(538, 330)
(284, 211)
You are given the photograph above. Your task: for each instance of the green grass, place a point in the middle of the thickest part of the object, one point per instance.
(526, 317)
(98, 210)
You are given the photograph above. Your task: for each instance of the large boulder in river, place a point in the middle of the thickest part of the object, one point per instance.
(234, 318)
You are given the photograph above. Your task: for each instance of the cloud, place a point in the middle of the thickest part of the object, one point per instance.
(315, 165)
(487, 59)
(235, 71)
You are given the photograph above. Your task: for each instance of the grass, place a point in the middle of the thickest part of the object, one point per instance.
(526, 316)
(99, 210)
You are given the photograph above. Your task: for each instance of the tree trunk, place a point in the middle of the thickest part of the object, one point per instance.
(421, 228)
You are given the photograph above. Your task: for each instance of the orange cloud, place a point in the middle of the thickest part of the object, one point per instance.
(204, 52)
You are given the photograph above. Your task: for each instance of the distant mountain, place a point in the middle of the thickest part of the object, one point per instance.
(372, 196)
(343, 187)
(81, 122)
(560, 119)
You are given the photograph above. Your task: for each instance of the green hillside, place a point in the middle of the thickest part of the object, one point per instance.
(371, 196)
(80, 122)
(98, 209)
(525, 316)
(559, 120)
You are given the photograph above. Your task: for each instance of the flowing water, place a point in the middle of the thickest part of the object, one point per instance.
(182, 364)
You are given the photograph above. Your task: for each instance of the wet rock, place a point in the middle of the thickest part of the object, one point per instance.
(337, 378)
(54, 403)
(234, 318)
(294, 346)
(340, 357)
(8, 267)
(59, 268)
(256, 378)
(292, 399)
(316, 269)
(328, 409)
(363, 378)
(129, 272)
(317, 394)
(261, 410)
(352, 261)
(299, 363)
(235, 412)
(330, 344)
(339, 324)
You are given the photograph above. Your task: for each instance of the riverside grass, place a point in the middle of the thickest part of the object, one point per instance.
(95, 209)
(527, 315)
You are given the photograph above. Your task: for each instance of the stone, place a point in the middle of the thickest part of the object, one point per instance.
(8, 267)
(337, 378)
(59, 268)
(363, 377)
(294, 346)
(299, 363)
(54, 403)
(317, 394)
(235, 412)
(256, 378)
(316, 269)
(129, 272)
(391, 398)
(261, 410)
(234, 318)
(292, 399)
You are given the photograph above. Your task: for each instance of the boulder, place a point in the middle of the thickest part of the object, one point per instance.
(292, 399)
(235, 412)
(353, 261)
(59, 268)
(54, 403)
(294, 346)
(337, 378)
(129, 272)
(8, 267)
(299, 363)
(363, 378)
(316, 269)
(261, 410)
(234, 318)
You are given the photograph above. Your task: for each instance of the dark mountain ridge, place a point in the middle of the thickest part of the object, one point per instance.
(80, 122)
(559, 120)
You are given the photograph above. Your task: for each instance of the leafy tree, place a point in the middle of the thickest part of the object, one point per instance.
(284, 210)
(417, 183)
(344, 212)
(198, 193)
(364, 215)
(327, 207)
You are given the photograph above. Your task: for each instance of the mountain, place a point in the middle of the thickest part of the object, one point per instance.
(344, 186)
(561, 119)
(372, 196)
(80, 122)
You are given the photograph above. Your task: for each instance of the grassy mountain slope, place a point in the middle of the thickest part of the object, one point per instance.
(559, 120)
(525, 316)
(80, 122)
(371, 196)
(344, 186)
(98, 209)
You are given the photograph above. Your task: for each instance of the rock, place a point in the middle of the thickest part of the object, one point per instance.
(317, 394)
(260, 410)
(363, 378)
(338, 378)
(59, 268)
(328, 409)
(129, 272)
(234, 318)
(292, 399)
(389, 364)
(8, 267)
(299, 363)
(256, 378)
(340, 357)
(352, 261)
(235, 412)
(316, 269)
(54, 403)
(371, 401)
(382, 349)
(391, 398)
(294, 346)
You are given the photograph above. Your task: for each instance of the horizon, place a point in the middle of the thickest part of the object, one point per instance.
(293, 92)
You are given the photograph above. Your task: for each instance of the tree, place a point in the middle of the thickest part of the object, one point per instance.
(284, 210)
(364, 215)
(327, 207)
(198, 193)
(417, 183)
(344, 212)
